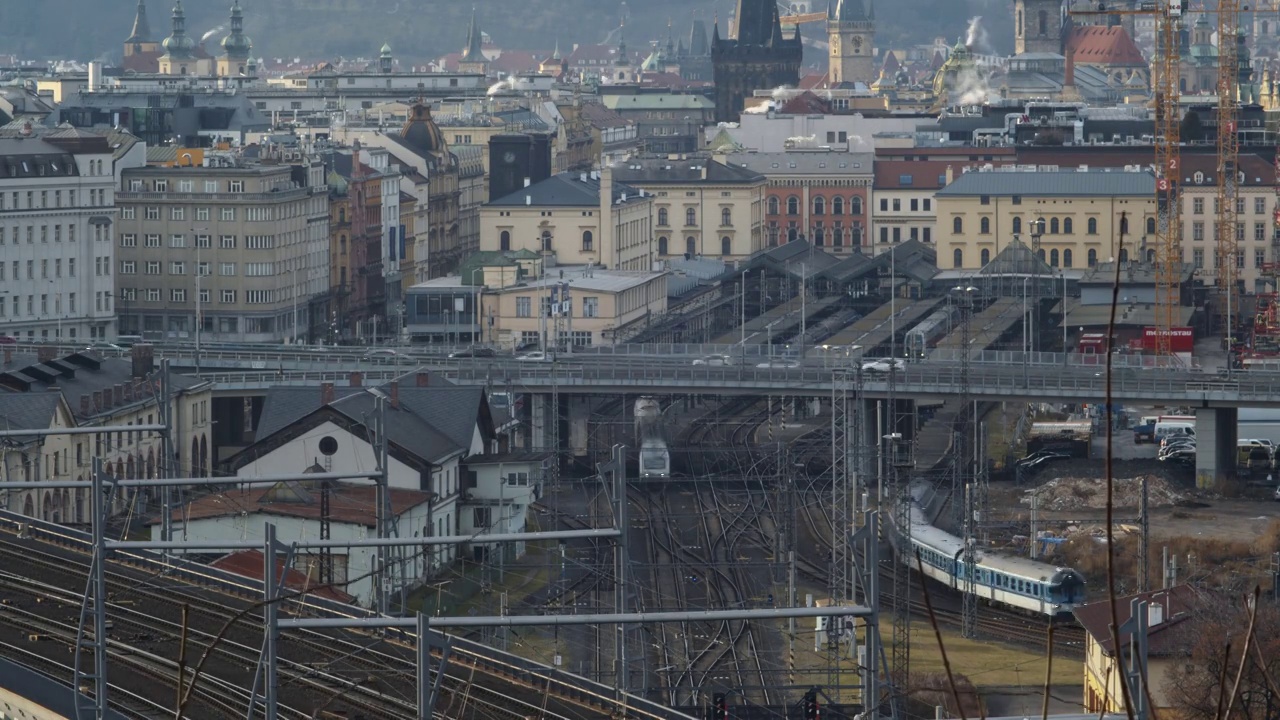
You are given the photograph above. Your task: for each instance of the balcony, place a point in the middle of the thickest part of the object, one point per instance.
(201, 198)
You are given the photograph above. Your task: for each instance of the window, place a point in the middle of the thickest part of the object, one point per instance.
(1053, 226)
(177, 213)
(984, 200)
(1259, 232)
(71, 267)
(162, 186)
(588, 242)
(524, 306)
(257, 214)
(1151, 226)
(928, 204)
(228, 297)
(204, 269)
(837, 206)
(884, 234)
(793, 205)
(178, 295)
(957, 258)
(259, 269)
(152, 213)
(177, 268)
(128, 240)
(690, 247)
(897, 204)
(986, 256)
(726, 246)
(855, 206)
(546, 240)
(1017, 225)
(1259, 257)
(915, 204)
(205, 295)
(153, 267)
(1239, 260)
(1093, 257)
(1197, 230)
(819, 206)
(177, 241)
(504, 240)
(690, 217)
(227, 269)
(1197, 258)
(1239, 206)
(1259, 206)
(481, 517)
(227, 214)
(202, 213)
(662, 212)
(153, 241)
(204, 242)
(235, 186)
(153, 295)
(1066, 258)
(590, 307)
(259, 297)
(1197, 205)
(1091, 226)
(662, 245)
(128, 267)
(1066, 226)
(984, 226)
(726, 217)
(957, 227)
(259, 242)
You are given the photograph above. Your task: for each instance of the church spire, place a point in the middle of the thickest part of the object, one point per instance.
(141, 28)
(473, 52)
(622, 46)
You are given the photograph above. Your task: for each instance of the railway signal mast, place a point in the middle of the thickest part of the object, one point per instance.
(1228, 240)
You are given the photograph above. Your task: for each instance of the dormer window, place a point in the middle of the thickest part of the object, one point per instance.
(1199, 177)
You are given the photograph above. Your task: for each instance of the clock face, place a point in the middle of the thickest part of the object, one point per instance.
(857, 44)
(509, 158)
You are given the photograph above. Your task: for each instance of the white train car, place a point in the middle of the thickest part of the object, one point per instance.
(655, 460)
(926, 334)
(1010, 581)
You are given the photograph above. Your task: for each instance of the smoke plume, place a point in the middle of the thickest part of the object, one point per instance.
(205, 37)
(976, 38)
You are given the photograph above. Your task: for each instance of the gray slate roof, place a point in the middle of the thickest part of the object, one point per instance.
(1068, 183)
(565, 190)
(658, 171)
(805, 163)
(76, 374)
(21, 411)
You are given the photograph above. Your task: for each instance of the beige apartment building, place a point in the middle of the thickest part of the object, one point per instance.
(1088, 216)
(1254, 212)
(243, 246)
(574, 219)
(702, 207)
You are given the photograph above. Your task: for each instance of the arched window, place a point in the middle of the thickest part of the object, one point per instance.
(1017, 225)
(986, 256)
(773, 206)
(1124, 224)
(837, 238)
(855, 206)
(726, 247)
(662, 216)
(342, 215)
(1066, 226)
(504, 240)
(1044, 22)
(1151, 226)
(546, 240)
(1066, 258)
(662, 245)
(1151, 255)
(837, 206)
(1040, 254)
(690, 217)
(342, 244)
(1092, 226)
(957, 258)
(984, 226)
(588, 241)
(690, 247)
(1018, 23)
(1053, 226)
(726, 217)
(791, 233)
(819, 237)
(1093, 257)
(819, 206)
(1124, 256)
(1053, 258)
(957, 226)
(793, 205)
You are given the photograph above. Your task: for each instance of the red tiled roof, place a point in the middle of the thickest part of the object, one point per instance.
(925, 175)
(806, 103)
(890, 65)
(1097, 45)
(248, 563)
(350, 504)
(813, 80)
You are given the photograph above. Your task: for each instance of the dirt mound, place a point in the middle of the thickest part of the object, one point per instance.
(1075, 493)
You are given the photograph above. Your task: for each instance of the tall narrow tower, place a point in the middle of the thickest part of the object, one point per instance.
(473, 59)
(851, 31)
(758, 58)
(1037, 26)
(235, 47)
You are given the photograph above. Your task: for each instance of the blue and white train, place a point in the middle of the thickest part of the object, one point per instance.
(1010, 581)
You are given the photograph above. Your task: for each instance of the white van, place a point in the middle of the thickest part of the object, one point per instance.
(1165, 429)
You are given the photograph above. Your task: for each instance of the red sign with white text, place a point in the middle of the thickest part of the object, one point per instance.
(1181, 339)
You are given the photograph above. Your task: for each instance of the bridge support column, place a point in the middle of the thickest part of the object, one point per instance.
(579, 413)
(1215, 445)
(539, 420)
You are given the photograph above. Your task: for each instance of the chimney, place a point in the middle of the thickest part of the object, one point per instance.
(356, 379)
(144, 360)
(951, 174)
(395, 394)
(1155, 614)
(107, 399)
(97, 401)
(86, 404)
(422, 379)
(118, 392)
(8, 356)
(128, 392)
(46, 353)
(326, 393)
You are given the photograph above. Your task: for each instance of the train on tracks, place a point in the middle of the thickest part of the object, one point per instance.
(654, 456)
(1009, 581)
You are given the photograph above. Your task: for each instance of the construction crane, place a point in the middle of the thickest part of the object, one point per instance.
(1228, 239)
(1166, 94)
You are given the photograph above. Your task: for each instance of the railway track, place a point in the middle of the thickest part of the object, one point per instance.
(341, 672)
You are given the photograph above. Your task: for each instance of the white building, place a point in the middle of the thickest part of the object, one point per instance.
(496, 497)
(57, 210)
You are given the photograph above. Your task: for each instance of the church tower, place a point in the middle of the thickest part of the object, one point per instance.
(473, 59)
(1037, 26)
(235, 47)
(851, 32)
(759, 58)
(179, 56)
(139, 40)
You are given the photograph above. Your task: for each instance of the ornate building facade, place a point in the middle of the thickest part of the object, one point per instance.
(851, 34)
(758, 58)
(1038, 26)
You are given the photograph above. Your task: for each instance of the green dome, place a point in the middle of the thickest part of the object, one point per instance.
(237, 44)
(386, 50)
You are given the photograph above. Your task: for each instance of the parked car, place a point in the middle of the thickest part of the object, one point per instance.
(1144, 433)
(884, 365)
(474, 353)
(8, 340)
(383, 354)
(536, 356)
(104, 347)
(715, 361)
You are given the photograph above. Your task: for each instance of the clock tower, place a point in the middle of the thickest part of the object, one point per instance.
(851, 32)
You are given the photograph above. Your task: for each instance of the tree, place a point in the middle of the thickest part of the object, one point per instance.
(1193, 689)
(1192, 128)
